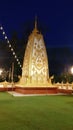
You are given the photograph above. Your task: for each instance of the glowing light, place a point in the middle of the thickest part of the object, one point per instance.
(5, 37)
(3, 33)
(7, 41)
(1, 28)
(9, 45)
(20, 66)
(72, 69)
(1, 71)
(15, 56)
(13, 53)
(11, 49)
(17, 60)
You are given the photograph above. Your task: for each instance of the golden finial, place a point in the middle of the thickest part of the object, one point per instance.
(35, 30)
(35, 22)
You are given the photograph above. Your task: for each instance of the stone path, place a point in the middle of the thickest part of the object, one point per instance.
(19, 94)
(16, 94)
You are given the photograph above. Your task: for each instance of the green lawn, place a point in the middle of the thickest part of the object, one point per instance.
(36, 112)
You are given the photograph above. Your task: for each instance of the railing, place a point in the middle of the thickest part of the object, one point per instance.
(67, 86)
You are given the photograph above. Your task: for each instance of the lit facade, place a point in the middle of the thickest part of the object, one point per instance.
(35, 71)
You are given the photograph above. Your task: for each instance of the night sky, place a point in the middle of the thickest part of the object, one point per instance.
(54, 16)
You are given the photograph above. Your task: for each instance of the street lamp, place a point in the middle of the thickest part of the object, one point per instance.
(71, 70)
(1, 71)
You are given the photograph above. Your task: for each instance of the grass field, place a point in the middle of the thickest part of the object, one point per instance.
(36, 112)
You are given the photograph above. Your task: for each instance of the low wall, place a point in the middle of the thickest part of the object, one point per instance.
(6, 89)
(65, 91)
(39, 90)
(36, 90)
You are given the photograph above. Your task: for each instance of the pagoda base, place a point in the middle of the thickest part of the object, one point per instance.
(37, 90)
(3, 89)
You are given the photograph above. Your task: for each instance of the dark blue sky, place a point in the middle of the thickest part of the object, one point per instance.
(55, 15)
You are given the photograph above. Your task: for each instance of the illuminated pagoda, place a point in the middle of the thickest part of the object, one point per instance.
(35, 71)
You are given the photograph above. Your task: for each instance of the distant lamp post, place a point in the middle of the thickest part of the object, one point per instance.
(71, 70)
(3, 74)
(12, 75)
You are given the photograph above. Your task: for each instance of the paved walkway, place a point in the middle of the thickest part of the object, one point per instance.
(16, 94)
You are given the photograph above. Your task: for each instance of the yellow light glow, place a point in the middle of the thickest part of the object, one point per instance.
(72, 69)
(1, 71)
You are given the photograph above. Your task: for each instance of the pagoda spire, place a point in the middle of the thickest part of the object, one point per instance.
(35, 30)
(35, 22)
